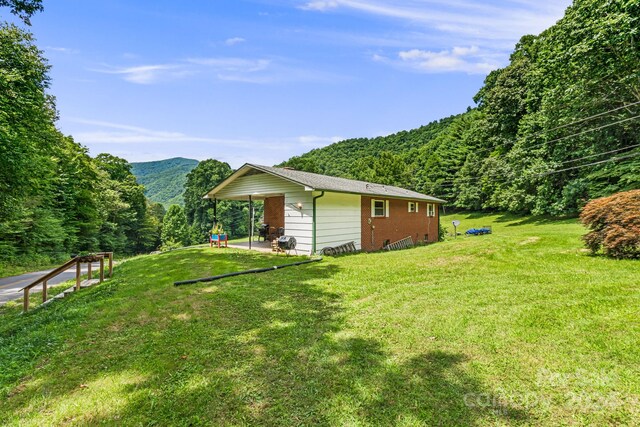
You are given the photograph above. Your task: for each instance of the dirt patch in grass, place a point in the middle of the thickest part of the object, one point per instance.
(182, 316)
(529, 240)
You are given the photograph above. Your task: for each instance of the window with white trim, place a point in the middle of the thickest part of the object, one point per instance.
(379, 208)
(412, 206)
(431, 209)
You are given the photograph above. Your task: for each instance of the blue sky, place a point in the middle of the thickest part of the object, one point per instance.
(262, 80)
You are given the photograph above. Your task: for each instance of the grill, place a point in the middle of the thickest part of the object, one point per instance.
(287, 243)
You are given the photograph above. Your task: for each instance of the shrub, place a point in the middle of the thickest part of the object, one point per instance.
(442, 232)
(614, 222)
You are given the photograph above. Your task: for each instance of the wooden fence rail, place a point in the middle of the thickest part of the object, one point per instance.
(77, 261)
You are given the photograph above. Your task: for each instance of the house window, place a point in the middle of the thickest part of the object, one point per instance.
(431, 209)
(379, 208)
(412, 207)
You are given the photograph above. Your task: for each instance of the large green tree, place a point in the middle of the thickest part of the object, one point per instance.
(27, 139)
(233, 215)
(132, 215)
(175, 231)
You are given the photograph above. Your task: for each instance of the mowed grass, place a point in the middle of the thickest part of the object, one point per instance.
(521, 327)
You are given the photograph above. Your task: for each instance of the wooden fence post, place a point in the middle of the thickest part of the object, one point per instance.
(89, 272)
(44, 291)
(26, 300)
(102, 269)
(110, 264)
(77, 275)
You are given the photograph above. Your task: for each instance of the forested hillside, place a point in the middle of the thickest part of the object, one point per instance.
(164, 180)
(556, 127)
(338, 159)
(55, 199)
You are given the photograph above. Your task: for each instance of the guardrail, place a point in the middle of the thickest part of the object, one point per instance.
(78, 261)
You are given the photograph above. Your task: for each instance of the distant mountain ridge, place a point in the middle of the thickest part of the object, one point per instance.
(164, 180)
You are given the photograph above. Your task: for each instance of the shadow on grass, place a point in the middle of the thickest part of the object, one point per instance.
(476, 215)
(534, 220)
(269, 349)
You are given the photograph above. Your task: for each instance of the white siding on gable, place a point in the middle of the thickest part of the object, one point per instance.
(338, 220)
(257, 184)
(299, 222)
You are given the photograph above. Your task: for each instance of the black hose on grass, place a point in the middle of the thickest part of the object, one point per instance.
(239, 273)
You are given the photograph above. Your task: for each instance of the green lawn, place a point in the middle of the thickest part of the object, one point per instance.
(521, 327)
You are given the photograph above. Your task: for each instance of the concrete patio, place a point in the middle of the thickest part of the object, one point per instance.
(263, 246)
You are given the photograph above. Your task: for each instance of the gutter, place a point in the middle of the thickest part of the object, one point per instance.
(313, 236)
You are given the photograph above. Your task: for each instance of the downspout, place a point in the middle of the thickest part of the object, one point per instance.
(313, 236)
(438, 232)
(250, 221)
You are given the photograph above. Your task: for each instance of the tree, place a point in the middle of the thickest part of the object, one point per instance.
(74, 188)
(302, 164)
(26, 121)
(132, 221)
(200, 213)
(175, 232)
(154, 219)
(24, 9)
(386, 168)
(615, 225)
(202, 178)
(27, 140)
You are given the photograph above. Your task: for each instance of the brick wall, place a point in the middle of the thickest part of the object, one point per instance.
(399, 224)
(274, 211)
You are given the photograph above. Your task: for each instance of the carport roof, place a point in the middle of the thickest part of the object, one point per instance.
(318, 182)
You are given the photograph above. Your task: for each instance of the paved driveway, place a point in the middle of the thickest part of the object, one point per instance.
(10, 286)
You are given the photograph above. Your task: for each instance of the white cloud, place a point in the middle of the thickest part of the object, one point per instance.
(463, 51)
(431, 30)
(234, 41)
(320, 5)
(148, 74)
(230, 69)
(67, 50)
(101, 132)
(475, 18)
(232, 64)
(469, 60)
(137, 143)
(240, 78)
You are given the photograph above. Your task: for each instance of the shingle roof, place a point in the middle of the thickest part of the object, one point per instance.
(342, 185)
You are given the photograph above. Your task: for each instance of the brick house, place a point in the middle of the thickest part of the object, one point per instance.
(321, 211)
